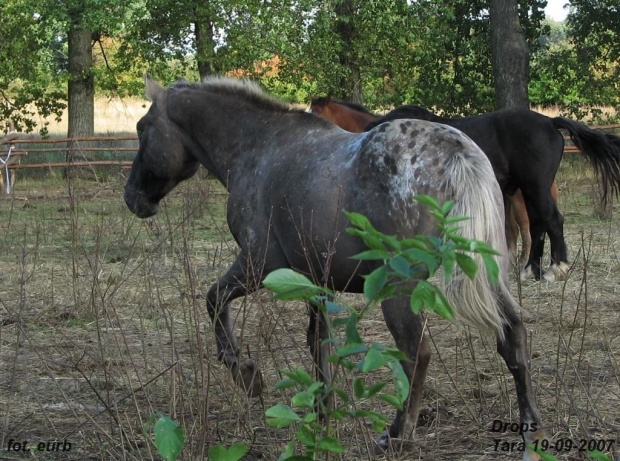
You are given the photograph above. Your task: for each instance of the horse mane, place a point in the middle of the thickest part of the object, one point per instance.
(245, 89)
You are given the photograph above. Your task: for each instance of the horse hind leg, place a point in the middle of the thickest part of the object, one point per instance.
(513, 349)
(407, 330)
(559, 266)
(523, 222)
(512, 231)
(545, 218)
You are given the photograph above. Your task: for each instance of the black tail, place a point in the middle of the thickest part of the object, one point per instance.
(602, 149)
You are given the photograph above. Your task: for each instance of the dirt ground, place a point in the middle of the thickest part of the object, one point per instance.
(103, 324)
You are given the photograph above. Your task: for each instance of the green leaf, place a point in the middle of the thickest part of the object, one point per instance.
(234, 453)
(401, 382)
(289, 450)
(442, 306)
(298, 375)
(306, 436)
(169, 438)
(467, 264)
(447, 207)
(400, 265)
(290, 285)
(330, 444)
(281, 416)
(351, 332)
(492, 268)
(429, 201)
(371, 255)
(303, 400)
(285, 384)
(425, 257)
(374, 360)
(374, 282)
(334, 308)
(359, 387)
(422, 295)
(375, 388)
(392, 400)
(358, 220)
(351, 349)
(448, 261)
(599, 455)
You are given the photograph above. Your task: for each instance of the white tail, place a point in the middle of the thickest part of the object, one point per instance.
(477, 195)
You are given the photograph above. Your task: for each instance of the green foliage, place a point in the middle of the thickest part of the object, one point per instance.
(404, 260)
(545, 456)
(435, 53)
(234, 453)
(399, 262)
(169, 437)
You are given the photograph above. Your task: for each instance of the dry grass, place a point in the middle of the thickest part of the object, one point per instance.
(113, 116)
(103, 323)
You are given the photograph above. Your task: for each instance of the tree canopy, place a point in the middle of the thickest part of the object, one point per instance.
(434, 53)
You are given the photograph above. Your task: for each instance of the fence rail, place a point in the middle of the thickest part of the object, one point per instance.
(73, 145)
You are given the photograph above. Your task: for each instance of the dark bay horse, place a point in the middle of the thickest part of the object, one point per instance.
(525, 149)
(290, 174)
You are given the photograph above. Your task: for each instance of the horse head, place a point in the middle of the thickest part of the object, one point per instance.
(163, 159)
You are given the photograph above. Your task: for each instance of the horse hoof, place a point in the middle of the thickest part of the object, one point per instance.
(556, 272)
(248, 377)
(539, 436)
(383, 441)
(527, 273)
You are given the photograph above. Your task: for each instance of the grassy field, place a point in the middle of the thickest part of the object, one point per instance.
(103, 323)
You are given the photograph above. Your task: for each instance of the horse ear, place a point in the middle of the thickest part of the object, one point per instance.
(182, 81)
(153, 89)
(328, 99)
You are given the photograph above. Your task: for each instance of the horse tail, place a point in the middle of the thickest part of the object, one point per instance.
(477, 195)
(602, 149)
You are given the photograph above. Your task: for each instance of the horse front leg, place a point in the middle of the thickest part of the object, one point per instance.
(407, 330)
(232, 285)
(514, 351)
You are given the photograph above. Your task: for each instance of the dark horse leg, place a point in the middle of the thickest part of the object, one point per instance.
(545, 218)
(232, 285)
(514, 351)
(407, 330)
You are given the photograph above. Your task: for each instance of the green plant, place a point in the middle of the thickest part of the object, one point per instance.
(400, 262)
(169, 436)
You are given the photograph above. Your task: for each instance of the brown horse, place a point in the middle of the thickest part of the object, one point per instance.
(355, 118)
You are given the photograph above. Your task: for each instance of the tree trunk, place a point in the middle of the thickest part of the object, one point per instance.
(81, 83)
(351, 80)
(510, 55)
(81, 91)
(205, 42)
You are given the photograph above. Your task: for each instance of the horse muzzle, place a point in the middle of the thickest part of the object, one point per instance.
(139, 204)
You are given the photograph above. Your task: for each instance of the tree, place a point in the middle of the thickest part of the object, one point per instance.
(510, 55)
(81, 85)
(27, 52)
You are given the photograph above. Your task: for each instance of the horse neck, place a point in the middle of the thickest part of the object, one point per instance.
(351, 119)
(228, 140)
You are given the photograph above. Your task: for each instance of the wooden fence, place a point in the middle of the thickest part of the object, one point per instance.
(74, 148)
(78, 149)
